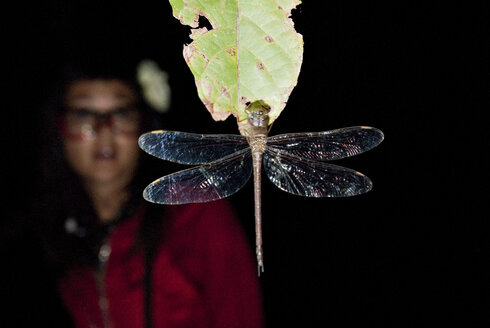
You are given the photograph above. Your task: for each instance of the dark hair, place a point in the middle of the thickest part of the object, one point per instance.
(60, 192)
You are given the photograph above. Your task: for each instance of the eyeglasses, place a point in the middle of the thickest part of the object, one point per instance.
(85, 123)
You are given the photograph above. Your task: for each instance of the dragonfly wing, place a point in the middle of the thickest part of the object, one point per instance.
(327, 145)
(204, 183)
(313, 178)
(190, 148)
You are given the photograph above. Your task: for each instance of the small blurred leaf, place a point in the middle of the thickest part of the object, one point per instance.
(251, 53)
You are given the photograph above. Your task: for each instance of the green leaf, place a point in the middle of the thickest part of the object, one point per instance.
(251, 53)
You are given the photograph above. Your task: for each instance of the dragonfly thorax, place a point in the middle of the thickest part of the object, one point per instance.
(258, 143)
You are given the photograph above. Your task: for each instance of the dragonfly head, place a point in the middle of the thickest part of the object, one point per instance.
(258, 114)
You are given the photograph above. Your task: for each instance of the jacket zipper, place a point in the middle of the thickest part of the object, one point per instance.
(100, 278)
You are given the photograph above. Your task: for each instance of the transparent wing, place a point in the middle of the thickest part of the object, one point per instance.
(327, 145)
(190, 148)
(204, 183)
(313, 178)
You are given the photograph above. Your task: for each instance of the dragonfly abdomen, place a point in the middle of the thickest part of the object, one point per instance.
(258, 144)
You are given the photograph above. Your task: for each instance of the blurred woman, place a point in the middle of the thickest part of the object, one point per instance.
(120, 261)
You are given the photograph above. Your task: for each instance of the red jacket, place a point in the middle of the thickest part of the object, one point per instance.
(203, 275)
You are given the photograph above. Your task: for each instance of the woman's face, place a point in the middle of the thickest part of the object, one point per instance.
(100, 130)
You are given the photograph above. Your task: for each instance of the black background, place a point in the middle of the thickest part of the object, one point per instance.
(412, 252)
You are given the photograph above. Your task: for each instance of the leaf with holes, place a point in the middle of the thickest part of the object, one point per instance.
(251, 53)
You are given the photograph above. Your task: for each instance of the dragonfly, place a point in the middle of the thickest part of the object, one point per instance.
(294, 162)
